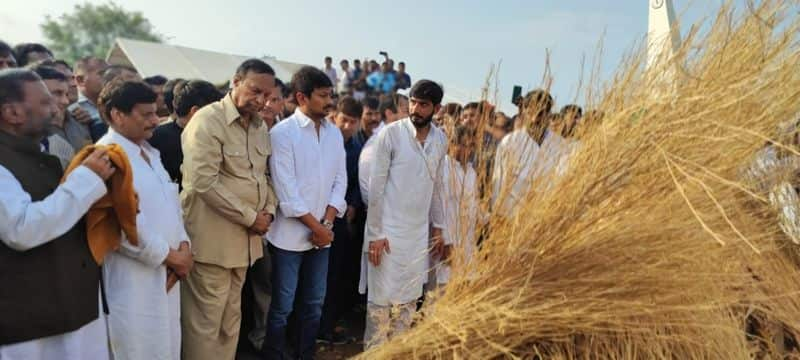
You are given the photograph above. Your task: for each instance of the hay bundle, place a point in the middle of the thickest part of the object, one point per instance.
(653, 244)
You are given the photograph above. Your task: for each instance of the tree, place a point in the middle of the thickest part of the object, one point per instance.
(92, 29)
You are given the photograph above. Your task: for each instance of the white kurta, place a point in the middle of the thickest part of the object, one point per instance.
(24, 225)
(365, 160)
(461, 213)
(514, 168)
(144, 320)
(553, 159)
(404, 200)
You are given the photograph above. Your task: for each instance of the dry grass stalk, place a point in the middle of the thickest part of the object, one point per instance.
(652, 245)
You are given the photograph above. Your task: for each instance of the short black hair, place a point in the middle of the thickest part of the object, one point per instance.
(401, 63)
(371, 103)
(169, 93)
(461, 135)
(427, 90)
(84, 63)
(573, 108)
(387, 103)
(309, 78)
(472, 105)
(22, 50)
(344, 61)
(286, 90)
(155, 80)
(254, 65)
(281, 86)
(539, 98)
(63, 63)
(452, 109)
(48, 72)
(328, 58)
(350, 107)
(195, 93)
(5, 49)
(123, 96)
(12, 82)
(114, 71)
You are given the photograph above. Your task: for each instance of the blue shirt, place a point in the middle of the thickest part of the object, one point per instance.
(352, 148)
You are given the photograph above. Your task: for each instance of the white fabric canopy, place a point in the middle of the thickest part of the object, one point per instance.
(174, 61)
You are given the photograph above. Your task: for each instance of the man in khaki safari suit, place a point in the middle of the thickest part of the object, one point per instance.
(228, 204)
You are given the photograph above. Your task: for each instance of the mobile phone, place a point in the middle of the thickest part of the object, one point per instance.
(383, 53)
(516, 94)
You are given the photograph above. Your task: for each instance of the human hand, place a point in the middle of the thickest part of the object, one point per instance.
(376, 250)
(99, 163)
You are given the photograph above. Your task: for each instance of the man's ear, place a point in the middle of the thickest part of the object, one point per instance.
(436, 108)
(192, 111)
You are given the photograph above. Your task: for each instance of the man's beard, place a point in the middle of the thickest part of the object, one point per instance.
(421, 122)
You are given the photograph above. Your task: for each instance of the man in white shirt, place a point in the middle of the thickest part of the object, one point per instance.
(393, 109)
(404, 201)
(345, 78)
(515, 164)
(308, 170)
(330, 71)
(143, 301)
(50, 304)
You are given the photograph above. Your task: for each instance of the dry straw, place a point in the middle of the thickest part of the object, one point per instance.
(655, 243)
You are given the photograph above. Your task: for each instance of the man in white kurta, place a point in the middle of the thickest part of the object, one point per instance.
(144, 315)
(38, 228)
(460, 207)
(518, 162)
(404, 200)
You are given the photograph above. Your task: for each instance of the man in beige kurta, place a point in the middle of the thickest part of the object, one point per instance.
(228, 203)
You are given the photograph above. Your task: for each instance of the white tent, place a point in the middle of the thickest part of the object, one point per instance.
(173, 61)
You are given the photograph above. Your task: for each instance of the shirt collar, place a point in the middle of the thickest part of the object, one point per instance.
(410, 125)
(304, 120)
(229, 109)
(131, 148)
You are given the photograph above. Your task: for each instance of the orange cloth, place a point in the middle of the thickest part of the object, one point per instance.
(116, 211)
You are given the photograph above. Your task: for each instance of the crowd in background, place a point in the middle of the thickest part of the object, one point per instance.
(281, 208)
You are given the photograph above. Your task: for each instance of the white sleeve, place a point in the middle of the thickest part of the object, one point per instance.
(379, 176)
(365, 171)
(437, 218)
(340, 185)
(282, 169)
(152, 249)
(25, 224)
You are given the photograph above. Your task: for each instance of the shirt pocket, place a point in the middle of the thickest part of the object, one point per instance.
(262, 156)
(235, 159)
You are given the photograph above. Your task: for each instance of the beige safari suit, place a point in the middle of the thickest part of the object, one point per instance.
(225, 184)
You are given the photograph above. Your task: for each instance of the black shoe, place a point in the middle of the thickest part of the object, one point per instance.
(333, 338)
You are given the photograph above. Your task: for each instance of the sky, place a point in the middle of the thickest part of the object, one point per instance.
(454, 43)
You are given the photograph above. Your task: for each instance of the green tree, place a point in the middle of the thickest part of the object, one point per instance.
(92, 29)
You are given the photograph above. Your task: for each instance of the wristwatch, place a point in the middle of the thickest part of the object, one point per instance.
(327, 224)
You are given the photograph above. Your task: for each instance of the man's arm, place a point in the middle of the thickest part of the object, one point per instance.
(336, 202)
(152, 249)
(365, 170)
(282, 168)
(202, 158)
(377, 186)
(25, 224)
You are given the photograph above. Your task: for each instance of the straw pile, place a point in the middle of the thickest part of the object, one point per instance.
(656, 243)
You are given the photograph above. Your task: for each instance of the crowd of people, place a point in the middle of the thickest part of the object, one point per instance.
(139, 217)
